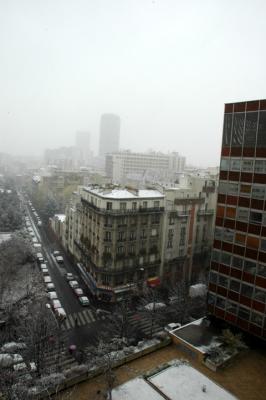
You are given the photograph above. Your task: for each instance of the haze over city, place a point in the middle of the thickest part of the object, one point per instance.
(165, 67)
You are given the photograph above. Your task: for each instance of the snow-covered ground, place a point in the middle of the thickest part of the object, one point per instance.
(185, 382)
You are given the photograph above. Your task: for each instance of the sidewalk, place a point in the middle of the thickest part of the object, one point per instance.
(244, 378)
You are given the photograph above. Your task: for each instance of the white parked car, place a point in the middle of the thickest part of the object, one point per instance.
(56, 253)
(56, 304)
(59, 259)
(69, 276)
(47, 279)
(73, 284)
(60, 313)
(45, 271)
(52, 295)
(172, 326)
(50, 287)
(154, 306)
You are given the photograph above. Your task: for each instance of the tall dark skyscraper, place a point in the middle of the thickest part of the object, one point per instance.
(237, 285)
(109, 134)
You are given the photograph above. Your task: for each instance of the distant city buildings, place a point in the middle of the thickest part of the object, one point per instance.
(83, 148)
(237, 283)
(109, 134)
(123, 165)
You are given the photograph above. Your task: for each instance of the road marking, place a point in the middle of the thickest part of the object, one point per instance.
(80, 316)
(91, 315)
(71, 320)
(87, 316)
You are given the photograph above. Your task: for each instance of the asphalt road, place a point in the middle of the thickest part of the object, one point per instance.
(80, 334)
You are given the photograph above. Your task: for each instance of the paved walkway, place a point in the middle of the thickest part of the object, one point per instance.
(245, 377)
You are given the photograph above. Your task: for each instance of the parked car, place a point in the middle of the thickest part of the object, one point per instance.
(60, 313)
(78, 292)
(50, 287)
(69, 276)
(52, 295)
(172, 326)
(84, 301)
(56, 304)
(39, 223)
(47, 279)
(45, 271)
(59, 259)
(40, 258)
(73, 284)
(56, 253)
(154, 306)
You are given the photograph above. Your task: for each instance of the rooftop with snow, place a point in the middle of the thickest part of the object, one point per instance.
(175, 382)
(123, 193)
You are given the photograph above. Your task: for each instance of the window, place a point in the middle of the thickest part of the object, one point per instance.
(155, 220)
(107, 249)
(145, 204)
(218, 233)
(156, 204)
(220, 302)
(131, 249)
(109, 205)
(256, 318)
(108, 236)
(238, 129)
(143, 234)
(226, 258)
(154, 232)
(216, 256)
(258, 192)
(250, 129)
(250, 267)
(235, 164)
(132, 235)
(233, 188)
(170, 244)
(227, 129)
(223, 187)
(262, 270)
(247, 165)
(213, 277)
(120, 250)
(263, 244)
(261, 139)
(123, 206)
(242, 214)
(122, 221)
(223, 281)
(240, 238)
(231, 308)
(237, 262)
(121, 236)
(255, 217)
(170, 233)
(182, 236)
(134, 205)
(260, 166)
(171, 220)
(235, 286)
(244, 313)
(228, 235)
(224, 164)
(245, 190)
(230, 212)
(246, 290)
(152, 257)
(260, 295)
(211, 299)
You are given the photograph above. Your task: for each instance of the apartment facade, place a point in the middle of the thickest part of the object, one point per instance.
(237, 282)
(121, 165)
(115, 234)
(188, 228)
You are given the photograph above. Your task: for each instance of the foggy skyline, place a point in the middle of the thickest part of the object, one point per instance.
(165, 67)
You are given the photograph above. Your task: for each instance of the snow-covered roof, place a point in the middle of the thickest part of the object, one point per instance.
(119, 193)
(61, 217)
(137, 389)
(178, 381)
(185, 382)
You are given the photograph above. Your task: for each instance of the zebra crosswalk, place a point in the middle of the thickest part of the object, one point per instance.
(80, 318)
(145, 325)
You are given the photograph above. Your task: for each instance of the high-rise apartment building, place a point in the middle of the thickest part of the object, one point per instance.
(237, 284)
(121, 165)
(109, 134)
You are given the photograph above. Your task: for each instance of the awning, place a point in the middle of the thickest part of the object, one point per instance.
(154, 282)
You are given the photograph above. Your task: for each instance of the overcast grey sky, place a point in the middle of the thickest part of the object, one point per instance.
(165, 66)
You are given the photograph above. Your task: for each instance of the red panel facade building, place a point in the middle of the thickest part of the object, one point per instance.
(237, 282)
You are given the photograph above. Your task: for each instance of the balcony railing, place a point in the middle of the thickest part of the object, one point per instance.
(206, 212)
(123, 211)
